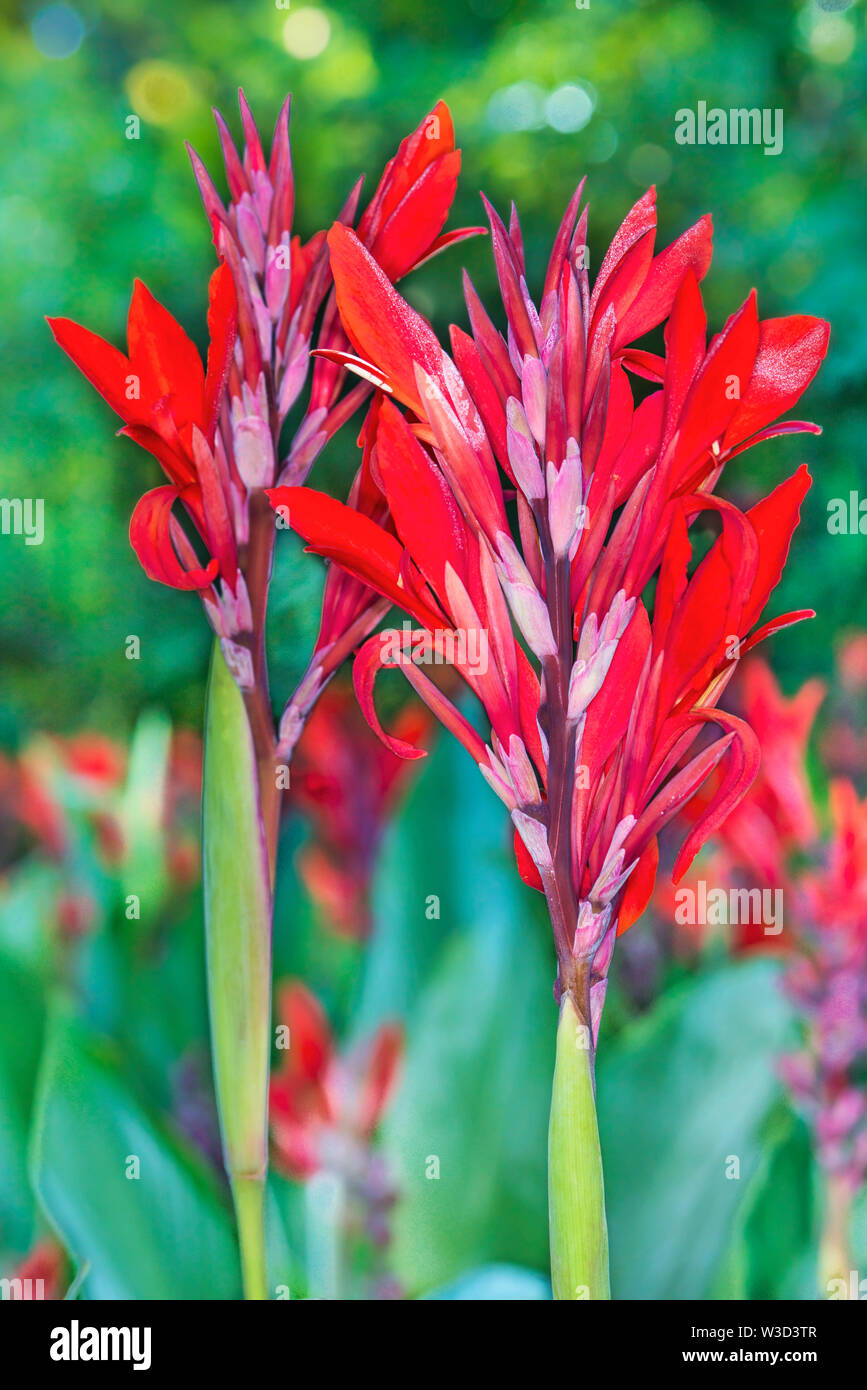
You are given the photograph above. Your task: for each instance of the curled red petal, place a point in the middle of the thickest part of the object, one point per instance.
(151, 539)
(368, 663)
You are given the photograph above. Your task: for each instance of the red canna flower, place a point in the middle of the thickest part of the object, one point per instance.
(170, 406)
(216, 433)
(526, 491)
(346, 783)
(321, 1100)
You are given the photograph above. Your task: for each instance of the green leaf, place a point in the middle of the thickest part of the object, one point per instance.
(164, 1235)
(682, 1094)
(21, 1031)
(773, 1250)
(446, 850)
(468, 1130)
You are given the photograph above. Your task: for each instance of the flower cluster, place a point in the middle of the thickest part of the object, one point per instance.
(216, 431)
(525, 495)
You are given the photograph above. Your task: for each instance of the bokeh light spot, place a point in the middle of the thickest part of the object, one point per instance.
(832, 39)
(519, 107)
(569, 108)
(306, 32)
(57, 31)
(160, 92)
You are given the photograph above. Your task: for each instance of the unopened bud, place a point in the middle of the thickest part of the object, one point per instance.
(522, 451)
(565, 494)
(534, 389)
(254, 452)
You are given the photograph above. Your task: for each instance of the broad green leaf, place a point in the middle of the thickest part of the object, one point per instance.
(446, 851)
(21, 1030)
(166, 1234)
(682, 1097)
(468, 1130)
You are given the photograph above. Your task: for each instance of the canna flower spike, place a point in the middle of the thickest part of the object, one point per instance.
(528, 504)
(218, 435)
(594, 713)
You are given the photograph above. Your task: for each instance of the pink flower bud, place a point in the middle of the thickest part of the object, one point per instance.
(294, 376)
(534, 389)
(527, 605)
(522, 452)
(254, 452)
(535, 838)
(565, 493)
(250, 235)
(278, 275)
(521, 772)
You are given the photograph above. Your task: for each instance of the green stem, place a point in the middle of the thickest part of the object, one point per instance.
(835, 1255)
(576, 1193)
(249, 1198)
(237, 897)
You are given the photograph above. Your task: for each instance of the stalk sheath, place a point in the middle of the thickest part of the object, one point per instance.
(237, 898)
(576, 1193)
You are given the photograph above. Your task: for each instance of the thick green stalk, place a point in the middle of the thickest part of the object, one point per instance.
(835, 1254)
(237, 894)
(576, 1193)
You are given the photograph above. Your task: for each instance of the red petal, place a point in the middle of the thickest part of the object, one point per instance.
(222, 328)
(426, 516)
(640, 220)
(340, 533)
(380, 324)
(104, 366)
(366, 667)
(150, 537)
(526, 868)
(774, 520)
(744, 760)
(789, 355)
(693, 250)
(639, 888)
(164, 357)
(417, 219)
(310, 1041)
(709, 406)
